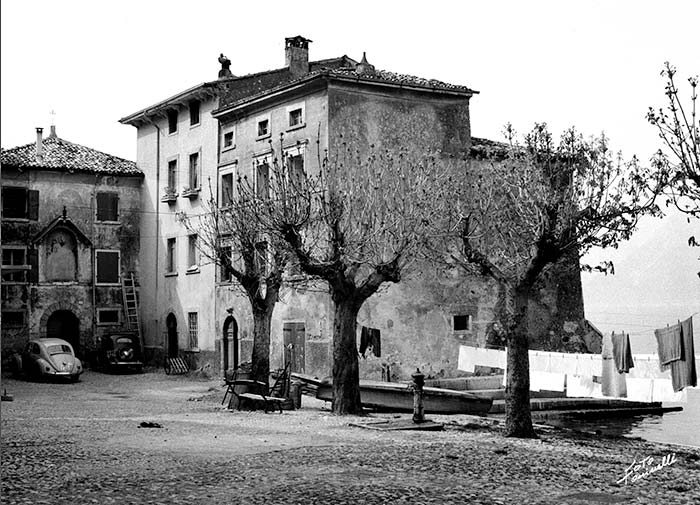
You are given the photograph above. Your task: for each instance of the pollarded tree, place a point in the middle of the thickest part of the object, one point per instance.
(229, 234)
(540, 202)
(356, 222)
(679, 129)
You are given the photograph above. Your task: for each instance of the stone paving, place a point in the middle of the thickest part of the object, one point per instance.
(81, 444)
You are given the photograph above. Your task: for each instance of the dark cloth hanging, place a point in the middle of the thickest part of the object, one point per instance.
(683, 371)
(364, 340)
(370, 338)
(622, 352)
(375, 340)
(669, 344)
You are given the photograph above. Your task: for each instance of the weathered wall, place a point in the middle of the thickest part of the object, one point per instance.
(65, 260)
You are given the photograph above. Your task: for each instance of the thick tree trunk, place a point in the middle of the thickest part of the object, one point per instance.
(518, 417)
(262, 316)
(346, 373)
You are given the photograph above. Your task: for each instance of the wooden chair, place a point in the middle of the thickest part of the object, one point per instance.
(251, 391)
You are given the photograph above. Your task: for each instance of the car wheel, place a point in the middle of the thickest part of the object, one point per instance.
(75, 378)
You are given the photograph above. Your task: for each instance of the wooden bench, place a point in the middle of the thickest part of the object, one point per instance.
(254, 391)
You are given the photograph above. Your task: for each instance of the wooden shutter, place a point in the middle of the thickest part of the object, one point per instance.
(33, 260)
(33, 204)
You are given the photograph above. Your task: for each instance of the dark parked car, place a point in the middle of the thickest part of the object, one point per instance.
(119, 351)
(48, 357)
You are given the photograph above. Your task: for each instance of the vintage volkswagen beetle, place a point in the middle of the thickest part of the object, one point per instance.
(48, 357)
(119, 351)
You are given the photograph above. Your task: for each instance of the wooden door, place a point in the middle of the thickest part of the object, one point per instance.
(295, 346)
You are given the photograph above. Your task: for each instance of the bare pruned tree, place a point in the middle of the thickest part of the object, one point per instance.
(356, 222)
(230, 235)
(538, 203)
(679, 129)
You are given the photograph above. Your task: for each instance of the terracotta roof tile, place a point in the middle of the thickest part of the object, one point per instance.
(60, 154)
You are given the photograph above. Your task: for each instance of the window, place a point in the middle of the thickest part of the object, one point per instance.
(225, 261)
(194, 112)
(226, 190)
(14, 265)
(20, 203)
(171, 256)
(295, 117)
(107, 206)
(193, 329)
(106, 267)
(295, 169)
(263, 128)
(172, 175)
(194, 171)
(262, 178)
(13, 318)
(462, 322)
(261, 258)
(192, 254)
(228, 140)
(172, 121)
(108, 316)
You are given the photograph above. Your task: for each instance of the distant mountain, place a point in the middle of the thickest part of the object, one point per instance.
(655, 282)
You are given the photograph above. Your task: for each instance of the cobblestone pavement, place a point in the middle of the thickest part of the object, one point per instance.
(81, 444)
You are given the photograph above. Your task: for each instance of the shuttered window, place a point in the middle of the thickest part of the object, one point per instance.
(107, 206)
(107, 267)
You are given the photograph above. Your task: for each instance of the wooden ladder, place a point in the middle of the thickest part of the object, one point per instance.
(131, 304)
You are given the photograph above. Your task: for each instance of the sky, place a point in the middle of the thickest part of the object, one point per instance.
(590, 64)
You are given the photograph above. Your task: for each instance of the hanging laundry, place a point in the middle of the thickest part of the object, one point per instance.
(683, 372)
(547, 381)
(539, 361)
(662, 391)
(622, 353)
(467, 359)
(646, 366)
(376, 342)
(639, 390)
(470, 357)
(613, 382)
(669, 344)
(364, 340)
(578, 386)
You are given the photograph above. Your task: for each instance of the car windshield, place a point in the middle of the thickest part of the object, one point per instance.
(58, 349)
(124, 340)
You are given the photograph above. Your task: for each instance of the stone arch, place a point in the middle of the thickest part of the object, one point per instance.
(80, 340)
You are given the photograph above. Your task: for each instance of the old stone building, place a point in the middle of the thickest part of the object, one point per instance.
(70, 236)
(196, 144)
(423, 319)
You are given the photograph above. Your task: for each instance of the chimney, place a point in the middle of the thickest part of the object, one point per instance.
(53, 135)
(39, 145)
(296, 55)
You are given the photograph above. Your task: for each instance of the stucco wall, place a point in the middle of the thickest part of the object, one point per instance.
(180, 292)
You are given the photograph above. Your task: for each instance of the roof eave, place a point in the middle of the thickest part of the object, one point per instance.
(328, 75)
(174, 101)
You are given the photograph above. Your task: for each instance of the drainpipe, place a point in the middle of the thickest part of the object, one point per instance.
(93, 216)
(157, 200)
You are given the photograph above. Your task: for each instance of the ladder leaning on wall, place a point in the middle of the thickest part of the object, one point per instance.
(131, 304)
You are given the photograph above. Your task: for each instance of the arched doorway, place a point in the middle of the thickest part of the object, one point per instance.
(229, 344)
(66, 325)
(171, 325)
